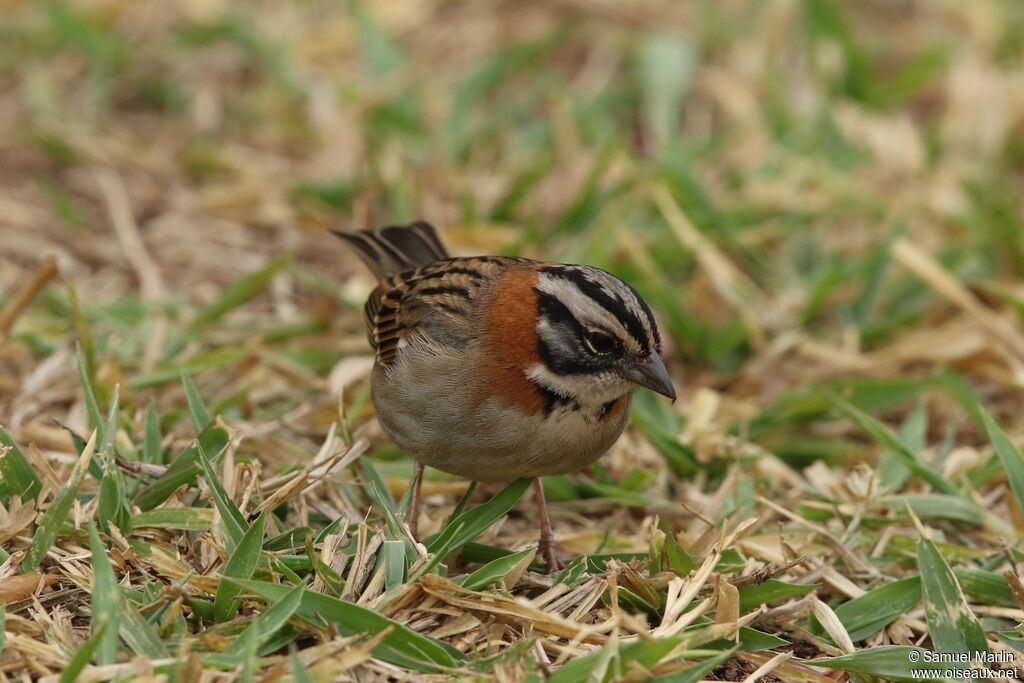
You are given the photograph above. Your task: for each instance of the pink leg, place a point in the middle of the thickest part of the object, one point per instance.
(546, 547)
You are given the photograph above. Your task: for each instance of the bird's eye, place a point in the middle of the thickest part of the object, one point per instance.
(600, 342)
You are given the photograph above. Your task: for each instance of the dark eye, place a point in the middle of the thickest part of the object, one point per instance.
(600, 342)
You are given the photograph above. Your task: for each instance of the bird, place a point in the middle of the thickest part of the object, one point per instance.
(496, 368)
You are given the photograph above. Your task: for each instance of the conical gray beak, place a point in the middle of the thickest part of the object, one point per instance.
(651, 374)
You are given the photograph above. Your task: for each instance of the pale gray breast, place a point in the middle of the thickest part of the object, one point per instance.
(420, 397)
(423, 405)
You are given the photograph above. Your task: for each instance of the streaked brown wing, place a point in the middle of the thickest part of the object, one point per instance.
(440, 299)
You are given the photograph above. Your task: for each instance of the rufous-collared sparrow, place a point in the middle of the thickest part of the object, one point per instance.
(495, 368)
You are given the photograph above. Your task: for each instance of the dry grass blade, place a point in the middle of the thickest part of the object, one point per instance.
(818, 200)
(928, 269)
(509, 610)
(21, 587)
(58, 510)
(311, 476)
(16, 303)
(730, 283)
(768, 667)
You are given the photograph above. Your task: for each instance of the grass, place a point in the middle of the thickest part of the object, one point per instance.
(817, 198)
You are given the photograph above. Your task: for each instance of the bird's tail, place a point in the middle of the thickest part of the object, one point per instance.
(396, 248)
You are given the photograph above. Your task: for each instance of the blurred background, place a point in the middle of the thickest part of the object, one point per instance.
(821, 200)
(805, 190)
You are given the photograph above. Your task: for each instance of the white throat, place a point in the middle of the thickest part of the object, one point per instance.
(586, 390)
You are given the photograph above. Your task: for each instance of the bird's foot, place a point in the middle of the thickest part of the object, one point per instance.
(548, 550)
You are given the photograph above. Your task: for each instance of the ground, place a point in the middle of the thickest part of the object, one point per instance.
(820, 200)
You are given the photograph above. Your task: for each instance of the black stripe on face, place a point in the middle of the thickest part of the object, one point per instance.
(613, 305)
(556, 314)
(649, 315)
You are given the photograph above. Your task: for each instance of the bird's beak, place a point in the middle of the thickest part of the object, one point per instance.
(651, 374)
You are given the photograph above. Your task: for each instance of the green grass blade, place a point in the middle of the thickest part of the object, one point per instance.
(934, 506)
(496, 570)
(58, 510)
(697, 672)
(866, 615)
(138, 634)
(678, 560)
(403, 646)
(240, 292)
(463, 501)
(289, 540)
(667, 66)
(248, 656)
(231, 517)
(960, 390)
(751, 640)
(182, 518)
(109, 429)
(379, 500)
(1009, 456)
(92, 408)
(241, 565)
(642, 654)
(183, 473)
(1013, 639)
(151, 452)
(951, 624)
(17, 477)
(82, 657)
(393, 557)
(184, 470)
(884, 436)
(106, 600)
(892, 468)
(989, 587)
(266, 625)
(472, 523)
(196, 408)
(890, 662)
(376, 488)
(112, 507)
(767, 592)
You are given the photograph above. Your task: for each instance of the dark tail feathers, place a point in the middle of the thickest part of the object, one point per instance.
(396, 248)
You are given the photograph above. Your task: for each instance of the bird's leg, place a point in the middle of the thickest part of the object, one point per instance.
(413, 516)
(547, 547)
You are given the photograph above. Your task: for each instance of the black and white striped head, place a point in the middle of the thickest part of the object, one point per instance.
(597, 338)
